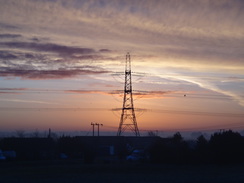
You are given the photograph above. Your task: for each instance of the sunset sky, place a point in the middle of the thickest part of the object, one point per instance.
(62, 64)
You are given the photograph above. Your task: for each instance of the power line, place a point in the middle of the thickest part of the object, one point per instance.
(140, 93)
(200, 113)
(51, 109)
(197, 113)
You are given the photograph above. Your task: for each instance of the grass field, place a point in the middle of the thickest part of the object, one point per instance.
(74, 171)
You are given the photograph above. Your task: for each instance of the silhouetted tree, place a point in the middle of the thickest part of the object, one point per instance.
(180, 152)
(159, 152)
(227, 147)
(202, 143)
(202, 150)
(152, 133)
(177, 138)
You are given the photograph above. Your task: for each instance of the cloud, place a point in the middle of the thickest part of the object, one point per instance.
(12, 90)
(203, 35)
(6, 55)
(212, 84)
(198, 31)
(105, 50)
(47, 47)
(8, 26)
(144, 94)
(38, 60)
(48, 74)
(139, 94)
(87, 91)
(102, 84)
(152, 94)
(5, 92)
(197, 49)
(23, 101)
(2, 36)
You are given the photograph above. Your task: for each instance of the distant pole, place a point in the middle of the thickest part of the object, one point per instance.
(98, 128)
(93, 128)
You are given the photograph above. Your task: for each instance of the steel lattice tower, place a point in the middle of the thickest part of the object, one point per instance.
(128, 117)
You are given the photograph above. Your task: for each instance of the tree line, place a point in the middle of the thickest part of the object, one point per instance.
(225, 147)
(222, 148)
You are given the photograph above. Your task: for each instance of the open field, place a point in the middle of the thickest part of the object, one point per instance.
(75, 171)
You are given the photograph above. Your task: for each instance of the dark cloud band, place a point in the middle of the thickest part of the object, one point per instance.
(10, 36)
(47, 47)
(49, 74)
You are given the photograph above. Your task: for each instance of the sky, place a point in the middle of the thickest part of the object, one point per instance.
(62, 64)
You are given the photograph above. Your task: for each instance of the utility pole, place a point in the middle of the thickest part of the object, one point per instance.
(98, 128)
(93, 128)
(128, 112)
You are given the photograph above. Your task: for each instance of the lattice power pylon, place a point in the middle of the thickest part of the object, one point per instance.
(128, 117)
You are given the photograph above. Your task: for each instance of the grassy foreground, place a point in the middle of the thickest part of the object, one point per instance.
(74, 171)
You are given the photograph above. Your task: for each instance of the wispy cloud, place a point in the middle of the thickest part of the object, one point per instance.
(211, 84)
(152, 94)
(144, 94)
(2, 36)
(119, 93)
(69, 49)
(195, 31)
(12, 90)
(47, 47)
(35, 60)
(26, 101)
(193, 35)
(48, 74)
(7, 25)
